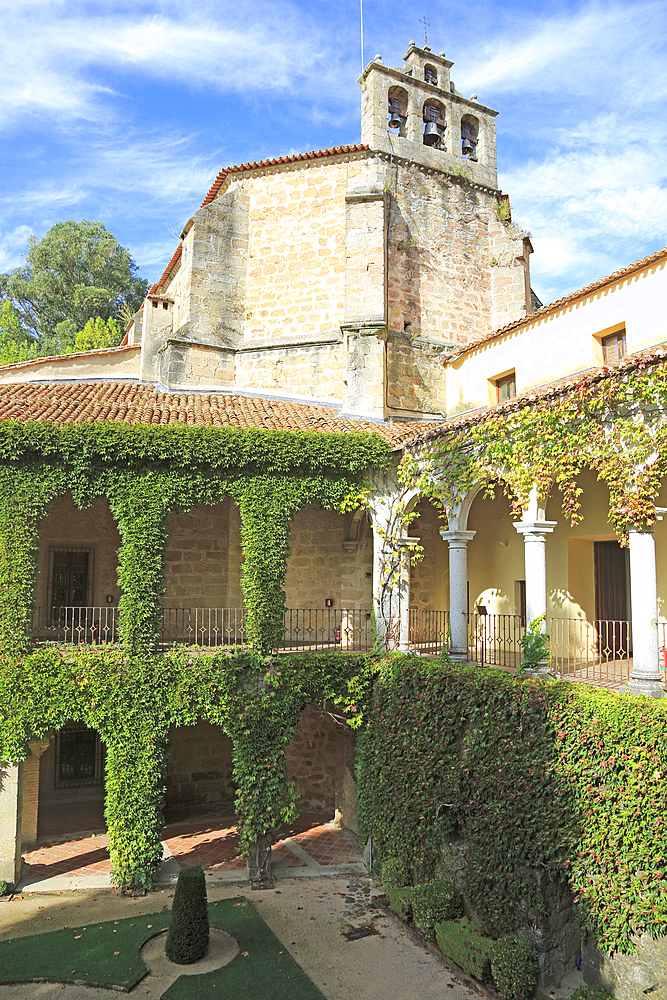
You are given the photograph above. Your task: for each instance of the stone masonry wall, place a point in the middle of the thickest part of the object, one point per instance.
(199, 772)
(444, 239)
(203, 558)
(423, 574)
(316, 758)
(314, 564)
(415, 376)
(94, 528)
(315, 370)
(296, 264)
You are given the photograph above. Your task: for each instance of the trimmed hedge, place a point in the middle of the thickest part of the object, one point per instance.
(460, 941)
(540, 780)
(433, 902)
(514, 967)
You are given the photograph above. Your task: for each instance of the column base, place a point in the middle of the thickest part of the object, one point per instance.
(650, 687)
(459, 655)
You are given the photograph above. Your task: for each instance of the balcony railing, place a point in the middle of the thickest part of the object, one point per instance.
(593, 651)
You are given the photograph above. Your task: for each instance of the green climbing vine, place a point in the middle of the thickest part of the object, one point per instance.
(133, 700)
(147, 473)
(614, 423)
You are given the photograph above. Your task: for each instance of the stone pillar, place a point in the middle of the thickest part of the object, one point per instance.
(458, 591)
(30, 792)
(11, 779)
(646, 676)
(535, 539)
(403, 587)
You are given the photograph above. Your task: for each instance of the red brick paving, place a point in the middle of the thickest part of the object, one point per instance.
(212, 843)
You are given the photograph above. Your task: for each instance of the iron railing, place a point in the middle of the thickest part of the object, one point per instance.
(598, 651)
(495, 639)
(328, 628)
(593, 651)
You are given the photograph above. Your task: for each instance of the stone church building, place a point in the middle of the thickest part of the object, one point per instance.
(380, 286)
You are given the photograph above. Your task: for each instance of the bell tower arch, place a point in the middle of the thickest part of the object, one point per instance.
(416, 112)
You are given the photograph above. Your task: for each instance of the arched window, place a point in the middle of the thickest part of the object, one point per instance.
(434, 124)
(469, 137)
(397, 109)
(430, 75)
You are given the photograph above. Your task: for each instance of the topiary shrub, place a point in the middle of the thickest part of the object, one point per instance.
(434, 902)
(461, 941)
(187, 937)
(514, 967)
(395, 874)
(590, 993)
(401, 902)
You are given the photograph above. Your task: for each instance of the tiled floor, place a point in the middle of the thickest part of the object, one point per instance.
(310, 842)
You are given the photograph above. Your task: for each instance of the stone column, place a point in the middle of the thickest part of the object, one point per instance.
(404, 592)
(30, 792)
(535, 539)
(646, 675)
(10, 823)
(458, 591)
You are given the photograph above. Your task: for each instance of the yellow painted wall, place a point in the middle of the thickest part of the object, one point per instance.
(564, 343)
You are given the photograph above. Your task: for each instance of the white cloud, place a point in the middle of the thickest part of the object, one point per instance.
(51, 54)
(13, 245)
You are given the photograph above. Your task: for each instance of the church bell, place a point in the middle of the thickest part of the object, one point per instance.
(467, 147)
(433, 134)
(395, 116)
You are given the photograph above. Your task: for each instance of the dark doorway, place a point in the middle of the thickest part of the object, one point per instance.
(611, 599)
(70, 580)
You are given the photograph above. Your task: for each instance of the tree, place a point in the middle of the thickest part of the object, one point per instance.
(15, 343)
(75, 273)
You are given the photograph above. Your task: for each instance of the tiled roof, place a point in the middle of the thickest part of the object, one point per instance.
(137, 403)
(317, 154)
(561, 387)
(553, 307)
(96, 353)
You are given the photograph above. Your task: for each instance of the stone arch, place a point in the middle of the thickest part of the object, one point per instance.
(469, 137)
(433, 113)
(430, 74)
(397, 100)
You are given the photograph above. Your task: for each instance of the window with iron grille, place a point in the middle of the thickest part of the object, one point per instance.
(613, 347)
(79, 757)
(70, 579)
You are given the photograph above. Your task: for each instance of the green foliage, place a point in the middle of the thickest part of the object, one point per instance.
(76, 272)
(534, 645)
(433, 902)
(15, 344)
(613, 423)
(550, 785)
(133, 700)
(460, 941)
(98, 333)
(395, 874)
(514, 967)
(147, 473)
(187, 937)
(3, 887)
(400, 901)
(590, 993)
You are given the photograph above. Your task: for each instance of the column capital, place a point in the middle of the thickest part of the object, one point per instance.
(404, 543)
(457, 539)
(535, 529)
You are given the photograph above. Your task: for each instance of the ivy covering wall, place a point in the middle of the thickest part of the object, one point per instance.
(133, 700)
(614, 423)
(501, 783)
(147, 473)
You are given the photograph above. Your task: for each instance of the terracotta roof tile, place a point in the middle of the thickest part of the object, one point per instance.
(137, 403)
(645, 359)
(256, 165)
(567, 300)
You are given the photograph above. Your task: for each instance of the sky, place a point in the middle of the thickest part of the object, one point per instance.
(124, 112)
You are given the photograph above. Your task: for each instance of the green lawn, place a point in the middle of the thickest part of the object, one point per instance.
(107, 954)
